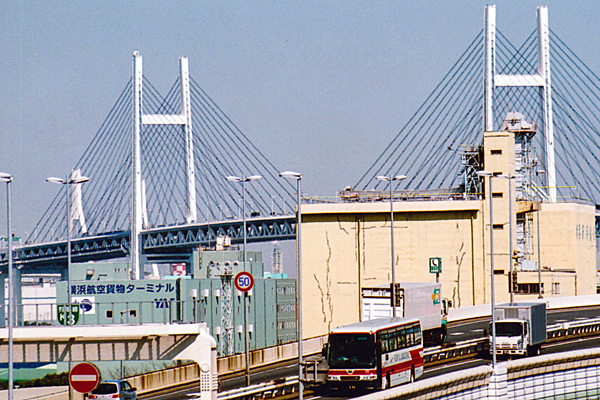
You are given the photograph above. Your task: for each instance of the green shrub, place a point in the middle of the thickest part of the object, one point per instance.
(48, 380)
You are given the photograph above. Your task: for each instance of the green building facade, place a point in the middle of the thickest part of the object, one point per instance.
(208, 295)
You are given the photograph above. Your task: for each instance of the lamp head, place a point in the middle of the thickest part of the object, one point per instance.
(253, 178)
(233, 179)
(4, 177)
(81, 179)
(290, 175)
(54, 179)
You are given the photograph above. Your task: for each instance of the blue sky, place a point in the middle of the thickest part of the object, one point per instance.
(319, 87)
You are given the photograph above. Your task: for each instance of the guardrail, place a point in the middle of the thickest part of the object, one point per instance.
(461, 350)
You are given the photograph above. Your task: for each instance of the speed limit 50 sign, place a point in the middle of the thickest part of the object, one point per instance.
(243, 281)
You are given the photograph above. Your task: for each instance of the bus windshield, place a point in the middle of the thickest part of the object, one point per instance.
(351, 350)
(508, 329)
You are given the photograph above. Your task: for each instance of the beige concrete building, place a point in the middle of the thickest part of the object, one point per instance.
(346, 246)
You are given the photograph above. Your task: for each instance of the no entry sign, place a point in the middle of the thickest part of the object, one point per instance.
(84, 377)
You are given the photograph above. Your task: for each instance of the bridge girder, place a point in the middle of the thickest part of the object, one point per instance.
(173, 239)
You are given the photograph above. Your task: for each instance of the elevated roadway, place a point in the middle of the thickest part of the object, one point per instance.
(51, 344)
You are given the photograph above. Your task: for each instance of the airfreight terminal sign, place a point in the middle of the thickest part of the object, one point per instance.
(119, 288)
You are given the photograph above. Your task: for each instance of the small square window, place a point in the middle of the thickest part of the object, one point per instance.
(132, 313)
(109, 314)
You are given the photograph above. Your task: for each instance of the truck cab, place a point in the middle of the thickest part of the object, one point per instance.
(512, 337)
(520, 328)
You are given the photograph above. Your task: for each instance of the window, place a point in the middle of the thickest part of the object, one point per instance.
(498, 226)
(393, 341)
(497, 195)
(384, 343)
(132, 313)
(410, 339)
(109, 314)
(498, 272)
(496, 152)
(556, 288)
(402, 339)
(417, 331)
(529, 288)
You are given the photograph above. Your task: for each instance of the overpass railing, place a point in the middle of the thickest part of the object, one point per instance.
(159, 310)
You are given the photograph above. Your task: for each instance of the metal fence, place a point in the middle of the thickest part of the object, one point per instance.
(107, 313)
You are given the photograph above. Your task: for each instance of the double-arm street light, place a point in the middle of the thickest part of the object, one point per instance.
(68, 182)
(4, 177)
(243, 181)
(298, 177)
(393, 289)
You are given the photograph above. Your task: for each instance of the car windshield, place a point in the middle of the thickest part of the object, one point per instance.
(508, 329)
(106, 388)
(351, 351)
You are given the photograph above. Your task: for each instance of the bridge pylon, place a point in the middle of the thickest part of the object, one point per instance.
(184, 118)
(541, 80)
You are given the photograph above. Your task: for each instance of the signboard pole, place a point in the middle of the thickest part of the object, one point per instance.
(244, 281)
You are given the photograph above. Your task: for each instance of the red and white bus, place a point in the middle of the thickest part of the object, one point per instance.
(380, 353)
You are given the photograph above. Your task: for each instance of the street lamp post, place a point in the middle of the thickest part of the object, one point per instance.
(298, 177)
(537, 196)
(4, 177)
(67, 182)
(493, 305)
(509, 177)
(243, 181)
(393, 289)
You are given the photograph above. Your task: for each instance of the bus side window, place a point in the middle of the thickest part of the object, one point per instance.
(409, 337)
(417, 330)
(402, 339)
(384, 343)
(393, 342)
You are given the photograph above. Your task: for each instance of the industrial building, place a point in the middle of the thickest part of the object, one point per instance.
(346, 245)
(206, 294)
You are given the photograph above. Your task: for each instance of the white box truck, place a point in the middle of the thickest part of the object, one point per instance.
(413, 300)
(520, 328)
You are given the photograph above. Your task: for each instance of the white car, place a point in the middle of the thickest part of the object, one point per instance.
(119, 389)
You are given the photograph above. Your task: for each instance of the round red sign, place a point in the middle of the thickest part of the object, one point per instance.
(243, 281)
(84, 377)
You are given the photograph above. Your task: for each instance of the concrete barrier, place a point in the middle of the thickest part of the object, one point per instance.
(552, 303)
(270, 355)
(569, 375)
(38, 393)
